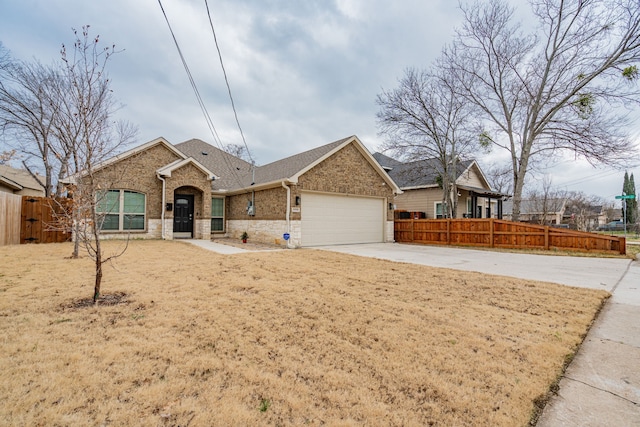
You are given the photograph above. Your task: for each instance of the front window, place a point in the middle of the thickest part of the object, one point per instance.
(439, 210)
(217, 214)
(121, 210)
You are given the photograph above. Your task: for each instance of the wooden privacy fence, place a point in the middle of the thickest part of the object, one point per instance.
(495, 233)
(10, 208)
(40, 219)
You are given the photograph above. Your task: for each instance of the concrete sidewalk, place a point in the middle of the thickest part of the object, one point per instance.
(601, 387)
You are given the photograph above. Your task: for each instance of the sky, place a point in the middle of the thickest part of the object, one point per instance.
(302, 73)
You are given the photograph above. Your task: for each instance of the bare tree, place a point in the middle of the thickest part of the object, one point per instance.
(85, 127)
(556, 89)
(27, 112)
(500, 178)
(424, 119)
(5, 57)
(7, 156)
(546, 205)
(240, 151)
(584, 211)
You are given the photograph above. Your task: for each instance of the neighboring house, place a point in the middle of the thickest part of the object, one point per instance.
(334, 194)
(539, 211)
(421, 191)
(19, 181)
(585, 217)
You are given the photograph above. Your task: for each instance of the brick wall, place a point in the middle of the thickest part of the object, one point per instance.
(346, 172)
(190, 180)
(270, 204)
(138, 173)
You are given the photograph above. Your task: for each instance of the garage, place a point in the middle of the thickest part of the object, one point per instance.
(329, 219)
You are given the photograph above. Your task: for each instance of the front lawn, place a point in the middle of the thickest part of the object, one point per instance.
(294, 337)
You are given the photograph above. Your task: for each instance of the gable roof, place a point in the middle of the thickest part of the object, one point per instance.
(385, 161)
(168, 169)
(236, 175)
(231, 171)
(419, 173)
(18, 179)
(140, 148)
(292, 166)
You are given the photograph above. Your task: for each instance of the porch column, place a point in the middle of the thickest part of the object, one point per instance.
(474, 205)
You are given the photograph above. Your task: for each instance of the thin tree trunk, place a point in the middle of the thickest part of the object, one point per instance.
(96, 289)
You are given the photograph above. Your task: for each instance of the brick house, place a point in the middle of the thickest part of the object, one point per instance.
(422, 193)
(333, 194)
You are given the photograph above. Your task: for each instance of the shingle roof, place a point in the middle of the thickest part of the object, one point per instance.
(288, 167)
(386, 161)
(232, 171)
(420, 173)
(19, 178)
(236, 173)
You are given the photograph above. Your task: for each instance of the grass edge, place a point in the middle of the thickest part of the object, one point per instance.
(540, 402)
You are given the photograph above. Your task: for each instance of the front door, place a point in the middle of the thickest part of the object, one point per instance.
(183, 216)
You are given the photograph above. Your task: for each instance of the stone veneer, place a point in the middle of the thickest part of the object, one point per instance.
(389, 236)
(138, 173)
(265, 231)
(346, 172)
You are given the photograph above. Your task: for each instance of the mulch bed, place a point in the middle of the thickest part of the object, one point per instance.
(112, 299)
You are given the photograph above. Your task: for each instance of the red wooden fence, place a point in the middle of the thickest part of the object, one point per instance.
(495, 233)
(39, 222)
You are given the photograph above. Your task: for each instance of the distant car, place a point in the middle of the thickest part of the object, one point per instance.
(612, 226)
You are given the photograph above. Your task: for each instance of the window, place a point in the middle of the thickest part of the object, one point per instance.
(217, 214)
(439, 210)
(121, 210)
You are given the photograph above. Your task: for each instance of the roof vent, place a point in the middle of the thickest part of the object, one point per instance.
(204, 153)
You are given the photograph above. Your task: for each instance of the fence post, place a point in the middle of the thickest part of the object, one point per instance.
(546, 237)
(491, 226)
(623, 245)
(412, 231)
(448, 231)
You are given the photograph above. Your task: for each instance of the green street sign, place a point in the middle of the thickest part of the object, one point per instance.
(626, 196)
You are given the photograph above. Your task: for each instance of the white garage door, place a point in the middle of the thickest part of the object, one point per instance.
(335, 220)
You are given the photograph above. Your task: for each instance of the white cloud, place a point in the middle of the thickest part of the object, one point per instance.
(302, 73)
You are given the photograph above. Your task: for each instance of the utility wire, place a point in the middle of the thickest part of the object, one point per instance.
(210, 124)
(233, 105)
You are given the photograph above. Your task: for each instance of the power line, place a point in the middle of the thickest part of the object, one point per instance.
(224, 72)
(210, 124)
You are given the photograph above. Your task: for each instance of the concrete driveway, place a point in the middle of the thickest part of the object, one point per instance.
(596, 273)
(601, 387)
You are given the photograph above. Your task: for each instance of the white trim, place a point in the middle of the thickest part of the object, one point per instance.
(168, 169)
(363, 150)
(435, 210)
(121, 213)
(224, 219)
(72, 178)
(480, 174)
(421, 187)
(10, 183)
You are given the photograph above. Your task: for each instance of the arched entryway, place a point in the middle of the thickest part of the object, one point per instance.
(186, 202)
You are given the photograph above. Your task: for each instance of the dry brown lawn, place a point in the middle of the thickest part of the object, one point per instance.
(298, 337)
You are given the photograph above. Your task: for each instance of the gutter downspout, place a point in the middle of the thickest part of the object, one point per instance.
(287, 213)
(164, 188)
